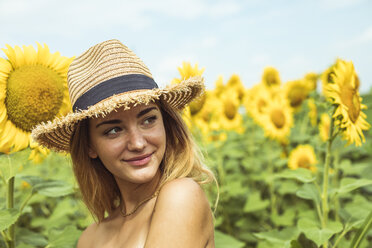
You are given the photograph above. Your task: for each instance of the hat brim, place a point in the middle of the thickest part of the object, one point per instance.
(56, 134)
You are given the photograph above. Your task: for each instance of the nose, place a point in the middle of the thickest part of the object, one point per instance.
(136, 141)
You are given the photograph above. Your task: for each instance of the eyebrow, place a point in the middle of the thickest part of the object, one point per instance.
(117, 121)
(145, 111)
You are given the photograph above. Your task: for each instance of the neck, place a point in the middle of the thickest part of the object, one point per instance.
(132, 194)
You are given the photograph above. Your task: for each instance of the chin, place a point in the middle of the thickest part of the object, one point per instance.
(145, 175)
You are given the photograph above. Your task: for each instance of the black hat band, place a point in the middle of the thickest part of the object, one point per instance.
(112, 87)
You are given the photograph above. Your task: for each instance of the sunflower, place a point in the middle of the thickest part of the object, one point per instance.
(229, 115)
(277, 120)
(33, 89)
(236, 84)
(208, 119)
(311, 79)
(255, 101)
(325, 121)
(344, 94)
(219, 87)
(326, 78)
(187, 71)
(303, 156)
(313, 115)
(270, 77)
(296, 92)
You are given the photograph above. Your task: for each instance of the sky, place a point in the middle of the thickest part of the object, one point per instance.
(224, 37)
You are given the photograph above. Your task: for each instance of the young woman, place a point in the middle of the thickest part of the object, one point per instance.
(138, 169)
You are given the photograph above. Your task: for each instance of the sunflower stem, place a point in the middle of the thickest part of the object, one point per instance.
(24, 204)
(327, 163)
(271, 186)
(304, 124)
(317, 206)
(5, 237)
(10, 204)
(339, 238)
(335, 180)
(221, 174)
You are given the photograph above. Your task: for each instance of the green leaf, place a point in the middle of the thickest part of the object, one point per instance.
(300, 174)
(8, 217)
(295, 244)
(31, 238)
(355, 168)
(288, 187)
(309, 192)
(285, 219)
(23, 245)
(280, 238)
(349, 184)
(32, 180)
(225, 241)
(13, 163)
(59, 217)
(5, 167)
(63, 238)
(254, 203)
(54, 188)
(232, 150)
(362, 232)
(357, 209)
(319, 235)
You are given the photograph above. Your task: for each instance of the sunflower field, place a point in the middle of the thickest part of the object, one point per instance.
(292, 159)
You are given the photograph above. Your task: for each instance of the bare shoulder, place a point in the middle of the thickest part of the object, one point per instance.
(86, 237)
(182, 216)
(182, 189)
(183, 193)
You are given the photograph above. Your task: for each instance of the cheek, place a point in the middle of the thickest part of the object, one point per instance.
(108, 147)
(158, 138)
(161, 136)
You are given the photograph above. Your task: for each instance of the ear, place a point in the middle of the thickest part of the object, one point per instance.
(92, 154)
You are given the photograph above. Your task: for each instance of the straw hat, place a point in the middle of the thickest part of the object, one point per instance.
(106, 77)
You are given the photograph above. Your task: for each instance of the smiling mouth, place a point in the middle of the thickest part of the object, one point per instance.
(139, 161)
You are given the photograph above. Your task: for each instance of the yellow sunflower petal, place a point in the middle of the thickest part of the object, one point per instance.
(29, 55)
(3, 115)
(5, 67)
(21, 140)
(43, 54)
(8, 131)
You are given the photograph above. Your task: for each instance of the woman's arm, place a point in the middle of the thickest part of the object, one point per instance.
(182, 217)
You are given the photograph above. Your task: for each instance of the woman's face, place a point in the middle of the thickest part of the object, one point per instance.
(130, 143)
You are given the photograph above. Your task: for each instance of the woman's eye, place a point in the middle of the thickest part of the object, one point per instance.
(150, 120)
(113, 131)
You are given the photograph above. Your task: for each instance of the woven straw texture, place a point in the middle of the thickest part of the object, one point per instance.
(104, 61)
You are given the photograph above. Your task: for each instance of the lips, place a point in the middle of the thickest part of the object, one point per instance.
(140, 160)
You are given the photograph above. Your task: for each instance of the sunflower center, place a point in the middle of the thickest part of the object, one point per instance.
(206, 115)
(271, 80)
(230, 110)
(296, 96)
(303, 162)
(34, 94)
(278, 118)
(349, 97)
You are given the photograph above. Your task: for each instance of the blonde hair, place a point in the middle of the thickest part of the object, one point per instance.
(98, 187)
